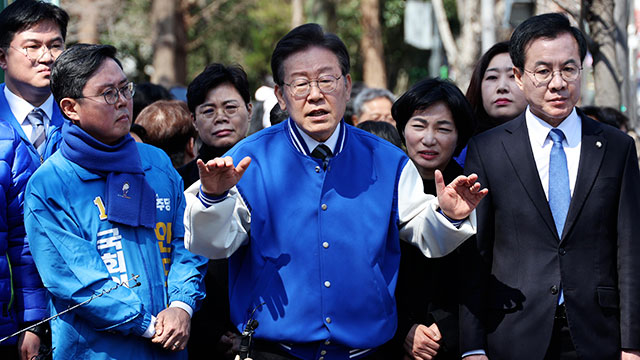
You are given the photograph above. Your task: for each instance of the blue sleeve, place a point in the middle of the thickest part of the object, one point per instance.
(29, 295)
(186, 275)
(71, 268)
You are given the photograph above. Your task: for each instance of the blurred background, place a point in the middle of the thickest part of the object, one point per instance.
(392, 43)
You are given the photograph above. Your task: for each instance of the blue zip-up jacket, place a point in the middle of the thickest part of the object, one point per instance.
(79, 253)
(54, 132)
(22, 297)
(309, 288)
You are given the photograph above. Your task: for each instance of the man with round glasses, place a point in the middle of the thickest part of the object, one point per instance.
(103, 210)
(555, 271)
(311, 216)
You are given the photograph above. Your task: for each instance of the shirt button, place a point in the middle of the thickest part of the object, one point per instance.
(328, 320)
(553, 290)
(323, 352)
(317, 169)
(327, 284)
(321, 358)
(325, 245)
(324, 206)
(327, 342)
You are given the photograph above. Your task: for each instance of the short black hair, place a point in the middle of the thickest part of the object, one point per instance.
(213, 76)
(426, 93)
(23, 14)
(146, 94)
(607, 115)
(302, 38)
(75, 66)
(382, 129)
(548, 26)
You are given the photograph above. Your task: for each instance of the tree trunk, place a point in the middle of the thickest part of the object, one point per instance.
(169, 55)
(463, 52)
(323, 12)
(622, 12)
(373, 68)
(488, 24)
(297, 13)
(599, 16)
(88, 22)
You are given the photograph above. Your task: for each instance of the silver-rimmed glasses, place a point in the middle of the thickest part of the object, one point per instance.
(302, 86)
(34, 53)
(111, 95)
(544, 75)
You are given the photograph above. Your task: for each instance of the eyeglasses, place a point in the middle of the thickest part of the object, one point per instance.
(112, 95)
(302, 87)
(210, 113)
(34, 52)
(543, 75)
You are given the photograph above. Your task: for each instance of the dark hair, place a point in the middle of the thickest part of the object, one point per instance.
(548, 26)
(302, 38)
(213, 76)
(426, 93)
(140, 131)
(383, 130)
(169, 127)
(277, 115)
(146, 94)
(75, 66)
(474, 91)
(607, 115)
(23, 14)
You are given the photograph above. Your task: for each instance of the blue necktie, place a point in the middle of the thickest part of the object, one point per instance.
(38, 133)
(559, 190)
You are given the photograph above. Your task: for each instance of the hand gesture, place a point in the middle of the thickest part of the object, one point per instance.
(28, 345)
(173, 327)
(219, 175)
(630, 354)
(422, 342)
(459, 198)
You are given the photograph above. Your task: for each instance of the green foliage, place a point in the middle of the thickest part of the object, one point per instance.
(245, 31)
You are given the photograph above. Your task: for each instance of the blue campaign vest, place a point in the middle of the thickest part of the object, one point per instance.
(324, 250)
(54, 132)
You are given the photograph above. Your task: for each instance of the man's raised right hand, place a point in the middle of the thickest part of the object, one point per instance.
(219, 175)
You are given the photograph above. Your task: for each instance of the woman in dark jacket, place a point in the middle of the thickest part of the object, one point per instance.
(435, 122)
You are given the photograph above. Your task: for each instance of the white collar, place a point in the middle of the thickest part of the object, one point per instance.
(538, 129)
(305, 143)
(21, 107)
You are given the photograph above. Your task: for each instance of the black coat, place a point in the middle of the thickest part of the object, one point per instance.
(521, 262)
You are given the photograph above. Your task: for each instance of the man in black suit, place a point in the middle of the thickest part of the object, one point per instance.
(556, 273)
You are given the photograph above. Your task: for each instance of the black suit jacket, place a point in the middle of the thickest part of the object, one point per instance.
(520, 263)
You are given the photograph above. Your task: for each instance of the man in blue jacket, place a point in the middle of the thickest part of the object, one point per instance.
(20, 284)
(312, 227)
(32, 35)
(103, 209)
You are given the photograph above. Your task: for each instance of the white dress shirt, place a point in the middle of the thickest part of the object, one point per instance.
(541, 145)
(21, 108)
